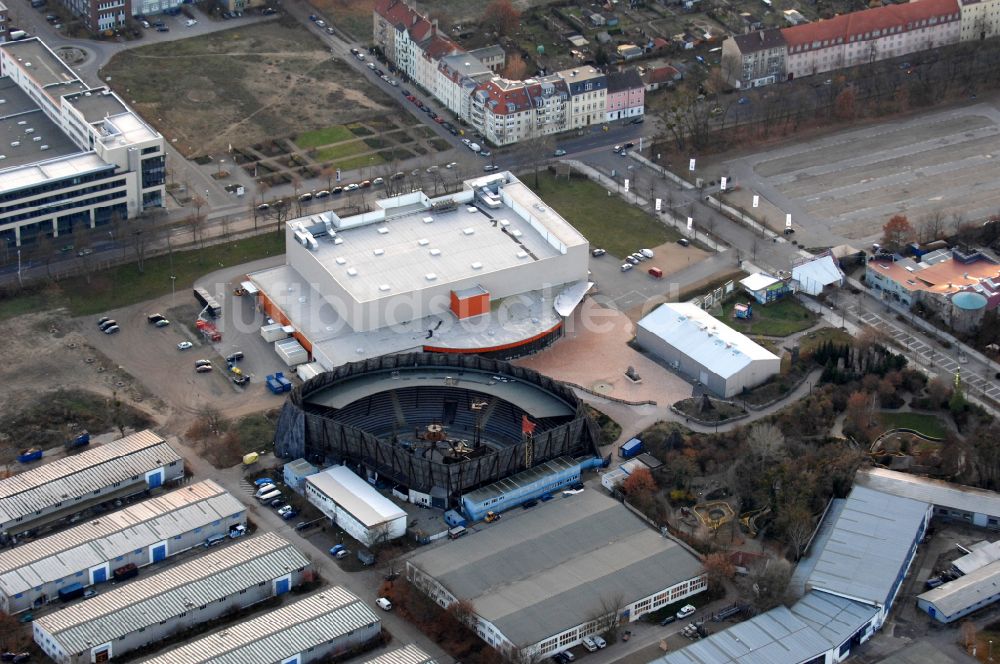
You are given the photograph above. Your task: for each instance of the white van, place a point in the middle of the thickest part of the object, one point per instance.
(384, 603)
(271, 495)
(267, 488)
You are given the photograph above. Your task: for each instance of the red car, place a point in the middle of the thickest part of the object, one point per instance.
(439, 120)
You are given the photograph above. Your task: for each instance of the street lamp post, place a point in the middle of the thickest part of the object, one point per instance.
(173, 290)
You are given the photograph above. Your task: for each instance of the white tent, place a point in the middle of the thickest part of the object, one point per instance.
(817, 274)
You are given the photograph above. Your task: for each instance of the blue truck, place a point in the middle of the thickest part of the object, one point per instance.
(72, 591)
(630, 449)
(29, 455)
(78, 441)
(277, 383)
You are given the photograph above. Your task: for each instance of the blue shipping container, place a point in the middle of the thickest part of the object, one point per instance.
(630, 449)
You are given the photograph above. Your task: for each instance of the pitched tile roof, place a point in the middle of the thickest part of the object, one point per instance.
(762, 40)
(857, 24)
(624, 80)
(660, 75)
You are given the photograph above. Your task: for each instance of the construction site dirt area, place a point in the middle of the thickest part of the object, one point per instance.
(242, 86)
(594, 355)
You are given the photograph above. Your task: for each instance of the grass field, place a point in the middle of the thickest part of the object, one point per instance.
(125, 285)
(929, 425)
(606, 221)
(314, 139)
(242, 86)
(810, 341)
(777, 319)
(341, 151)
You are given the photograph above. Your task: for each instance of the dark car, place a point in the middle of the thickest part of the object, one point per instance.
(529, 504)
(155, 318)
(276, 503)
(235, 357)
(669, 619)
(404, 92)
(162, 28)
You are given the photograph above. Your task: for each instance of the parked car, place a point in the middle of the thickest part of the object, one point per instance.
(598, 252)
(235, 357)
(106, 324)
(184, 345)
(276, 503)
(336, 548)
(568, 654)
(153, 318)
(102, 320)
(203, 363)
(489, 168)
(559, 153)
(384, 603)
(626, 267)
(601, 643)
(685, 611)
(263, 481)
(204, 369)
(590, 644)
(683, 242)
(112, 329)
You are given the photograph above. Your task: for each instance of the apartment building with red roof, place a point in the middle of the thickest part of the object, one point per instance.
(848, 40)
(867, 36)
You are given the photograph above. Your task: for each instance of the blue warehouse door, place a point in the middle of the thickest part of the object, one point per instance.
(159, 552)
(99, 575)
(155, 479)
(282, 586)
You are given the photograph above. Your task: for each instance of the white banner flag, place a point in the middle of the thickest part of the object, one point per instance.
(723, 185)
(659, 202)
(626, 184)
(788, 221)
(756, 200)
(690, 222)
(691, 165)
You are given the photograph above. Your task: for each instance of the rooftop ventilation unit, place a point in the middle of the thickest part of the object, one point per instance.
(522, 254)
(471, 209)
(423, 242)
(351, 271)
(468, 231)
(435, 252)
(477, 266)
(384, 287)
(516, 233)
(504, 223)
(340, 260)
(383, 230)
(338, 240)
(430, 276)
(379, 252)
(428, 220)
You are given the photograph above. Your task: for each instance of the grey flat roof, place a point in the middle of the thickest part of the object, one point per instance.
(279, 634)
(981, 555)
(868, 546)
(22, 122)
(410, 654)
(532, 399)
(81, 474)
(111, 535)
(954, 596)
(97, 104)
(707, 340)
(540, 572)
(935, 492)
(152, 599)
(361, 499)
(814, 625)
(923, 651)
(806, 565)
(329, 333)
(463, 238)
(523, 478)
(45, 66)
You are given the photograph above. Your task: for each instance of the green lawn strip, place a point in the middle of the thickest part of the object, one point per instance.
(814, 339)
(606, 221)
(124, 285)
(777, 319)
(929, 425)
(341, 150)
(314, 139)
(360, 161)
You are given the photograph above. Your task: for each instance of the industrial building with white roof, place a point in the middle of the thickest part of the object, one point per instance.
(327, 624)
(696, 344)
(154, 607)
(51, 491)
(861, 553)
(32, 574)
(538, 578)
(354, 505)
(409, 654)
(73, 157)
(425, 274)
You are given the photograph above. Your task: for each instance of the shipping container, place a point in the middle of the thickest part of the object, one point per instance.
(275, 332)
(291, 352)
(630, 449)
(72, 591)
(126, 572)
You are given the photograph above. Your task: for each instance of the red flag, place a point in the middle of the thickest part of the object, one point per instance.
(527, 426)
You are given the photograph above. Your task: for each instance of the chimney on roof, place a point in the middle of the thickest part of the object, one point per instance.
(761, 33)
(415, 17)
(434, 26)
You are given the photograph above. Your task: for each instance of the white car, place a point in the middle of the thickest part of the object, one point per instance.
(352, 187)
(685, 611)
(321, 23)
(626, 267)
(190, 22)
(184, 345)
(589, 644)
(384, 603)
(601, 643)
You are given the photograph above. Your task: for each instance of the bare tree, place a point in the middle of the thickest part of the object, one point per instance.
(766, 441)
(608, 615)
(770, 579)
(44, 251)
(196, 221)
(957, 222)
(932, 226)
(797, 523)
(379, 535)
(296, 186)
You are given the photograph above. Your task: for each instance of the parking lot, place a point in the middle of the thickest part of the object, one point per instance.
(844, 186)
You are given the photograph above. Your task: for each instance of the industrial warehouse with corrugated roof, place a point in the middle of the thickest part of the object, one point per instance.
(32, 574)
(155, 607)
(54, 490)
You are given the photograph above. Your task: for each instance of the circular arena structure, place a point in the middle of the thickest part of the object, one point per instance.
(434, 423)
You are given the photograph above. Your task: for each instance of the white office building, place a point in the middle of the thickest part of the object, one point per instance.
(72, 157)
(354, 505)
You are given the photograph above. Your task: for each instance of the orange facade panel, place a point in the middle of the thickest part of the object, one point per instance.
(466, 305)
